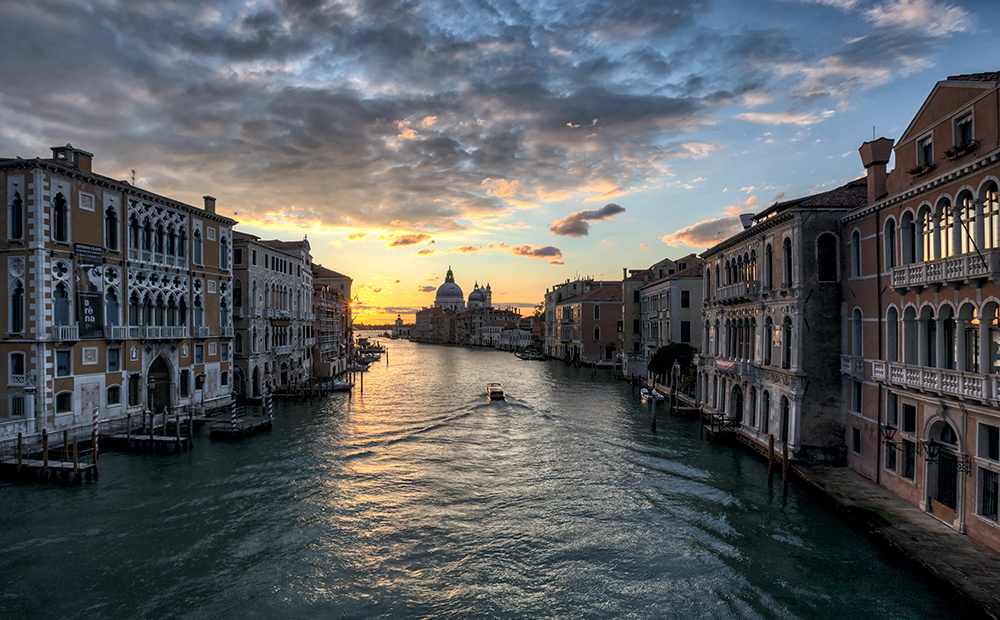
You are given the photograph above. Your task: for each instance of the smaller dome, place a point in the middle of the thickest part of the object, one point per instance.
(477, 295)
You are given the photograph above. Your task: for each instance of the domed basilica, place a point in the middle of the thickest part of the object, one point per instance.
(449, 295)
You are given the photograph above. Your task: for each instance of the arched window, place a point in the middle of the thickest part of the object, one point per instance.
(133, 232)
(768, 340)
(182, 312)
(134, 310)
(785, 415)
(160, 317)
(197, 247)
(16, 368)
(965, 223)
(911, 337)
(826, 256)
(199, 312)
(969, 320)
(892, 335)
(239, 342)
(253, 342)
(15, 226)
(855, 254)
(768, 267)
(160, 239)
(950, 341)
(253, 294)
(597, 333)
(927, 235)
(786, 343)
(946, 236)
(753, 407)
(60, 218)
(929, 336)
(223, 253)
(765, 412)
(111, 307)
(111, 229)
(60, 303)
(857, 333)
(114, 396)
(786, 259)
(147, 310)
(991, 218)
(889, 239)
(181, 244)
(991, 317)
(171, 311)
(908, 239)
(17, 308)
(147, 235)
(597, 312)
(223, 313)
(237, 294)
(171, 240)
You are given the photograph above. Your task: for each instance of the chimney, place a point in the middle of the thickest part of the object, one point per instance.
(874, 156)
(210, 204)
(77, 158)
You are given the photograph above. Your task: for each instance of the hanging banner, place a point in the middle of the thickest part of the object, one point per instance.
(89, 299)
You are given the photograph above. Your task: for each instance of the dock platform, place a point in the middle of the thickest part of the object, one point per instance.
(245, 427)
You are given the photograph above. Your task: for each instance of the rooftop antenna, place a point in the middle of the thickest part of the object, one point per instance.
(873, 133)
(133, 177)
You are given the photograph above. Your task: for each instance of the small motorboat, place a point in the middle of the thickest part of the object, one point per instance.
(647, 395)
(494, 391)
(341, 386)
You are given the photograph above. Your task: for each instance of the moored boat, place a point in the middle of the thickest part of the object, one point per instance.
(646, 394)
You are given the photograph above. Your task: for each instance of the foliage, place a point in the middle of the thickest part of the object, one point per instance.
(539, 312)
(664, 358)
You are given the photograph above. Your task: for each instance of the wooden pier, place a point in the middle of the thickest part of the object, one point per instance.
(146, 435)
(74, 457)
(245, 427)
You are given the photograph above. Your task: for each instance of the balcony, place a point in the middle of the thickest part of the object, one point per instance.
(238, 312)
(310, 342)
(65, 333)
(201, 331)
(963, 385)
(270, 313)
(852, 366)
(739, 293)
(954, 270)
(284, 314)
(256, 313)
(116, 332)
(227, 332)
(283, 350)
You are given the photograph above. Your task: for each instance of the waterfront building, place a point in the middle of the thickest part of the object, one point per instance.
(671, 312)
(117, 298)
(555, 295)
(399, 329)
(921, 345)
(771, 325)
(274, 330)
(588, 325)
(333, 322)
(453, 321)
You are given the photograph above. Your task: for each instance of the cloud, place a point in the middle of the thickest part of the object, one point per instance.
(784, 118)
(426, 251)
(705, 233)
(466, 249)
(530, 251)
(934, 19)
(556, 262)
(426, 289)
(577, 225)
(356, 236)
(402, 241)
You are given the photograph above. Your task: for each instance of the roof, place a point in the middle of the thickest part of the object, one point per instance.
(853, 194)
(992, 76)
(694, 271)
(239, 235)
(607, 293)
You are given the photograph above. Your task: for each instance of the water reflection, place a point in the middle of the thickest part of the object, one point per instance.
(421, 499)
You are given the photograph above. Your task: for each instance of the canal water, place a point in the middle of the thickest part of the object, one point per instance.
(420, 499)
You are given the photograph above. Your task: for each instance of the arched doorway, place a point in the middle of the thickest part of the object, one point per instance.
(255, 382)
(736, 404)
(159, 373)
(785, 414)
(942, 471)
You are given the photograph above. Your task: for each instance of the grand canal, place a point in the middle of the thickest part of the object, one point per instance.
(419, 499)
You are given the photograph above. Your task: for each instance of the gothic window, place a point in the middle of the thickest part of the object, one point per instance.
(197, 247)
(134, 310)
(16, 217)
(111, 229)
(160, 238)
(966, 223)
(181, 243)
(855, 254)
(147, 235)
(17, 308)
(133, 232)
(60, 305)
(111, 307)
(786, 343)
(892, 335)
(889, 239)
(786, 259)
(199, 312)
(991, 218)
(223, 253)
(60, 218)
(768, 266)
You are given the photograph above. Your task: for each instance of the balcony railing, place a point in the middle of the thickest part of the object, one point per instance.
(238, 312)
(256, 313)
(65, 333)
(851, 365)
(116, 332)
(202, 331)
(739, 292)
(227, 332)
(310, 342)
(938, 381)
(283, 350)
(954, 269)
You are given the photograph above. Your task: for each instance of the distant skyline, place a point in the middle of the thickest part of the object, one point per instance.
(521, 143)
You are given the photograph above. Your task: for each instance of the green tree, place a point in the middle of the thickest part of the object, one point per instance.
(539, 313)
(664, 358)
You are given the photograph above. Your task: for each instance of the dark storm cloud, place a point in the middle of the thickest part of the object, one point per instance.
(372, 113)
(578, 224)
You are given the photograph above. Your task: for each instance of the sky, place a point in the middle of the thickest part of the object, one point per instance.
(522, 144)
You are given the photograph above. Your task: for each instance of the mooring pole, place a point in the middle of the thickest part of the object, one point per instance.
(20, 452)
(45, 453)
(770, 459)
(654, 415)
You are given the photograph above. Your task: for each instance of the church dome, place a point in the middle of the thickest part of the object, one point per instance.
(449, 294)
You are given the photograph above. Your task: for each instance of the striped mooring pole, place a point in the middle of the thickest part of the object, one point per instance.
(97, 431)
(270, 404)
(232, 417)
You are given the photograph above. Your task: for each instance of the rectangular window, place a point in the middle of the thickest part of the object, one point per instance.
(909, 459)
(225, 351)
(686, 331)
(963, 130)
(253, 257)
(989, 490)
(224, 378)
(856, 389)
(199, 382)
(185, 382)
(989, 442)
(891, 410)
(114, 360)
(64, 361)
(114, 395)
(909, 418)
(890, 456)
(238, 256)
(636, 326)
(685, 299)
(925, 152)
(133, 390)
(199, 354)
(856, 440)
